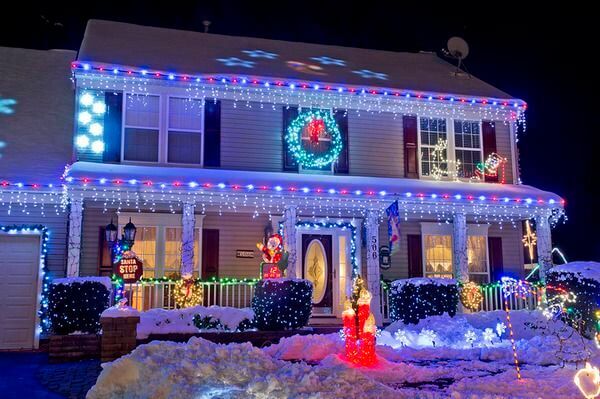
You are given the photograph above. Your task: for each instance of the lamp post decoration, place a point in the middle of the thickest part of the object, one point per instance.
(126, 265)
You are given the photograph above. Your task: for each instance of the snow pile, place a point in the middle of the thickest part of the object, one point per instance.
(418, 281)
(161, 321)
(581, 270)
(202, 369)
(310, 348)
(120, 311)
(105, 281)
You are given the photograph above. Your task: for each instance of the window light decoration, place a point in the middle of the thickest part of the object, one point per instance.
(90, 121)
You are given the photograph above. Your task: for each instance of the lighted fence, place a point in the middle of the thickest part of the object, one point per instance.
(161, 294)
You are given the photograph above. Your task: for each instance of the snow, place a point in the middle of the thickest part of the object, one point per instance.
(402, 186)
(417, 281)
(589, 270)
(120, 311)
(453, 368)
(71, 280)
(180, 321)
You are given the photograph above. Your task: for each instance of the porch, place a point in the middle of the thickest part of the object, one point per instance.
(341, 215)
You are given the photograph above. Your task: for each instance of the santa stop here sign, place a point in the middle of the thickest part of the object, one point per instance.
(129, 269)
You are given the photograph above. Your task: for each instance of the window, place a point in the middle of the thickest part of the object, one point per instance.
(141, 128)
(467, 144)
(463, 147)
(185, 131)
(432, 130)
(438, 257)
(158, 243)
(163, 129)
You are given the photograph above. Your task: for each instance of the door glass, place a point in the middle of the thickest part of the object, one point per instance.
(315, 269)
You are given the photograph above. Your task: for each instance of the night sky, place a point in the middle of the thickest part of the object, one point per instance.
(543, 56)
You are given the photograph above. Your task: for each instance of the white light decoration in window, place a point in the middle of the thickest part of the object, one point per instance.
(82, 141)
(96, 129)
(85, 117)
(86, 99)
(98, 146)
(99, 108)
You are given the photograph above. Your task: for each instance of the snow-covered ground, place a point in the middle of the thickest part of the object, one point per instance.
(472, 358)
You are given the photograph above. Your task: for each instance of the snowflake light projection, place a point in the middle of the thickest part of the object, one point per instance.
(234, 61)
(260, 54)
(6, 105)
(324, 60)
(367, 74)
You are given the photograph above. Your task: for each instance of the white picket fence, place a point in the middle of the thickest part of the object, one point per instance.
(145, 296)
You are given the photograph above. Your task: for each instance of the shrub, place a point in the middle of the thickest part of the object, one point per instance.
(212, 323)
(417, 298)
(282, 304)
(76, 306)
(583, 280)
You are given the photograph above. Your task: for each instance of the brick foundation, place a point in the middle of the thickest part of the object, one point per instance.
(118, 336)
(73, 347)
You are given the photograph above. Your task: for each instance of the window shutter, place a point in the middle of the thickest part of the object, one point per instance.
(113, 121)
(342, 165)
(415, 256)
(496, 261)
(212, 133)
(488, 133)
(411, 146)
(289, 163)
(210, 253)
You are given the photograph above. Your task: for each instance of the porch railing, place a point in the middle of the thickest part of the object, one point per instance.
(493, 299)
(145, 296)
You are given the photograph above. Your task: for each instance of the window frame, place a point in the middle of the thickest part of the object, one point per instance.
(436, 229)
(163, 221)
(451, 150)
(164, 97)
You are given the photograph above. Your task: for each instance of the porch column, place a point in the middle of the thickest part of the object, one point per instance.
(188, 223)
(459, 247)
(290, 218)
(373, 277)
(544, 245)
(74, 243)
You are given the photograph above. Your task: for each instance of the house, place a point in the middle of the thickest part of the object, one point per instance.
(209, 143)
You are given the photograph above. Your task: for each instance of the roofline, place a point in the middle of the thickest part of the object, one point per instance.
(102, 68)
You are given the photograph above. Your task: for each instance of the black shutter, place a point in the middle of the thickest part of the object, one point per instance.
(113, 120)
(496, 261)
(415, 256)
(289, 163)
(488, 134)
(212, 133)
(411, 146)
(210, 253)
(342, 165)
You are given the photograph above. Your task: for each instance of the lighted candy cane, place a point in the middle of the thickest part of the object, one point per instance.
(512, 286)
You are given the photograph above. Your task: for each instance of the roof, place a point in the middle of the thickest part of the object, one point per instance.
(90, 172)
(191, 52)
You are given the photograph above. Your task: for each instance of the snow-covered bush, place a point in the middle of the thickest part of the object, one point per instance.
(209, 322)
(417, 298)
(583, 280)
(282, 304)
(75, 304)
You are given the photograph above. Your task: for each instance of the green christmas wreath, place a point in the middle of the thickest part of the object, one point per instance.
(316, 122)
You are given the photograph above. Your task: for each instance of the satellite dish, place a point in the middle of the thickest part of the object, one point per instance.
(458, 48)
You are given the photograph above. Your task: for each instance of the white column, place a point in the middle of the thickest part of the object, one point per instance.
(459, 247)
(544, 245)
(373, 277)
(188, 223)
(290, 218)
(74, 243)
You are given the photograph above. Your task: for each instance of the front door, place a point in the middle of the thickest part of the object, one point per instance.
(318, 268)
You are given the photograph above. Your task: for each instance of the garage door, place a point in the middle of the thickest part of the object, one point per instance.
(19, 264)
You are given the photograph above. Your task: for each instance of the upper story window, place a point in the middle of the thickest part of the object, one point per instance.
(162, 129)
(449, 148)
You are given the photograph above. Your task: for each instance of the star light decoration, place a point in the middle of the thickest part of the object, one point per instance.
(324, 60)
(488, 335)
(470, 337)
(500, 329)
(429, 334)
(529, 240)
(402, 337)
(367, 74)
(234, 61)
(260, 54)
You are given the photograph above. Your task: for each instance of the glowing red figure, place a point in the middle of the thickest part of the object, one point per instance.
(359, 326)
(315, 128)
